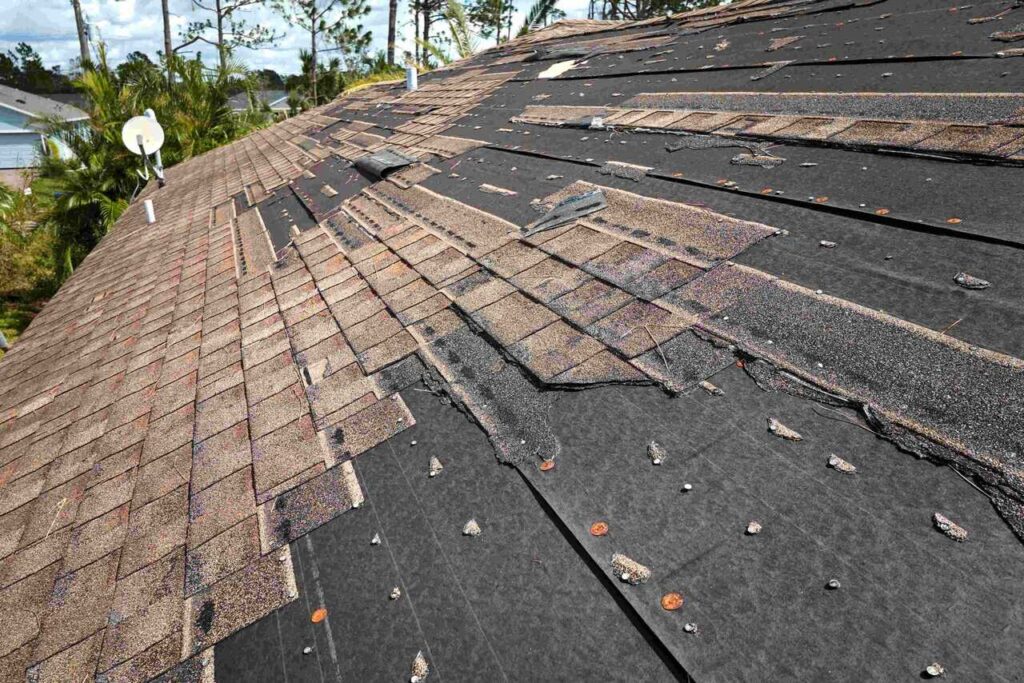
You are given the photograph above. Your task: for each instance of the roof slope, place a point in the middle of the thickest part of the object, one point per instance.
(790, 256)
(37, 105)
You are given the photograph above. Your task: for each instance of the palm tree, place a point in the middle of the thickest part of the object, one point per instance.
(392, 23)
(539, 15)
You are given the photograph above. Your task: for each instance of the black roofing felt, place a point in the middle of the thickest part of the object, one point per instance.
(534, 597)
(519, 602)
(281, 211)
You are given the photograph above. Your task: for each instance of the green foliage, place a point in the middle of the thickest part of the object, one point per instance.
(331, 22)
(23, 68)
(540, 14)
(645, 9)
(459, 29)
(491, 17)
(26, 261)
(432, 50)
(222, 27)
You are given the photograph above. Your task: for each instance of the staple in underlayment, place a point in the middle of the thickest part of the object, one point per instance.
(629, 570)
(782, 431)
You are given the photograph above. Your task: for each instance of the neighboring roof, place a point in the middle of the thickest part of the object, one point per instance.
(769, 362)
(75, 99)
(275, 99)
(37, 106)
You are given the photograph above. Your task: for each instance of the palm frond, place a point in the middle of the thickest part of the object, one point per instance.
(435, 52)
(537, 16)
(458, 26)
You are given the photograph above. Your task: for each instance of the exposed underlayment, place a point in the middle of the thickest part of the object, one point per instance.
(206, 391)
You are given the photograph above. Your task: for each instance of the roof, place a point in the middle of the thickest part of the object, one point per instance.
(711, 332)
(275, 99)
(37, 106)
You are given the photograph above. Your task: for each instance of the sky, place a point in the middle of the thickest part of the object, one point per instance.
(129, 25)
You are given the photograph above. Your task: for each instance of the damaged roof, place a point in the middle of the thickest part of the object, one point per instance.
(677, 349)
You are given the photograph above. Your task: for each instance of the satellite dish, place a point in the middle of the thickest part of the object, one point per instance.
(146, 129)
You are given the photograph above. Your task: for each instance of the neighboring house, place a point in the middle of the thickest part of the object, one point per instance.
(21, 126)
(277, 100)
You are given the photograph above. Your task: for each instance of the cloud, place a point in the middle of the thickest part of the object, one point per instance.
(136, 25)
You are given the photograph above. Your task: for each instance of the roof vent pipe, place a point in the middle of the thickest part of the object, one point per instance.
(410, 78)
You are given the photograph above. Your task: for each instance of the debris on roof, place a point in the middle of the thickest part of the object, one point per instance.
(782, 431)
(629, 570)
(948, 527)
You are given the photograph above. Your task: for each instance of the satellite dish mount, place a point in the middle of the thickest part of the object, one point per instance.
(142, 135)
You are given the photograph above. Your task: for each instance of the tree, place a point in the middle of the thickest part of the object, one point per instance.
(392, 24)
(489, 17)
(330, 19)
(231, 31)
(645, 9)
(430, 10)
(83, 41)
(459, 31)
(269, 79)
(540, 14)
(168, 51)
